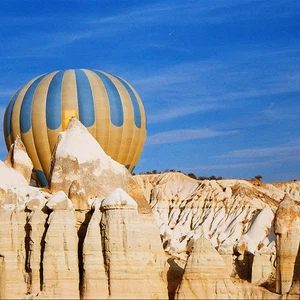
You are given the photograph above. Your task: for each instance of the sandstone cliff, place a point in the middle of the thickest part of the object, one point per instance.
(98, 232)
(236, 216)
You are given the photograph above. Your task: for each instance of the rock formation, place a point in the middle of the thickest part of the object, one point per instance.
(206, 275)
(263, 270)
(18, 159)
(227, 212)
(60, 259)
(131, 248)
(94, 174)
(287, 229)
(100, 232)
(95, 277)
(12, 252)
(35, 230)
(237, 217)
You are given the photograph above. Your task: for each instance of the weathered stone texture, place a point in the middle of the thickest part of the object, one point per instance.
(18, 159)
(287, 230)
(95, 278)
(60, 261)
(205, 275)
(134, 258)
(12, 252)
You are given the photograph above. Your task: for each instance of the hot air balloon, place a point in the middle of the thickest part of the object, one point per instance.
(105, 104)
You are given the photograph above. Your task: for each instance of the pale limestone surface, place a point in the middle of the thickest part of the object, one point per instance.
(78, 151)
(287, 229)
(205, 275)
(15, 279)
(134, 257)
(11, 180)
(35, 229)
(18, 159)
(118, 199)
(291, 188)
(263, 268)
(237, 217)
(95, 278)
(79, 163)
(256, 234)
(117, 252)
(12, 252)
(222, 211)
(60, 259)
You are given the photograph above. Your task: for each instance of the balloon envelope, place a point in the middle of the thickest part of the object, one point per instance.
(105, 104)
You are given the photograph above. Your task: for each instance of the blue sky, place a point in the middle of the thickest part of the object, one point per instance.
(220, 80)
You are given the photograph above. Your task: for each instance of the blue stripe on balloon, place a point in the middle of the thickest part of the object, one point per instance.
(25, 113)
(42, 178)
(53, 101)
(8, 114)
(114, 99)
(85, 99)
(135, 104)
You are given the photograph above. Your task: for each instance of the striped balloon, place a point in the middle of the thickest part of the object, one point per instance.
(105, 104)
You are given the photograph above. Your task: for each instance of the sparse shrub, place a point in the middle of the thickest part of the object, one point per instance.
(258, 177)
(192, 175)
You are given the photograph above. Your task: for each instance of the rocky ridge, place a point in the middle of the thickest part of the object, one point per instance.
(236, 216)
(99, 232)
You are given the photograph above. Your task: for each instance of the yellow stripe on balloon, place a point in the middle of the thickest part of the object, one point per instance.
(69, 106)
(39, 125)
(127, 128)
(28, 138)
(69, 98)
(138, 150)
(102, 112)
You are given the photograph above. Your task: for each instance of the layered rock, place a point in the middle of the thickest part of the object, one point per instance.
(35, 231)
(60, 259)
(18, 159)
(205, 275)
(133, 253)
(14, 278)
(235, 215)
(52, 245)
(92, 169)
(258, 233)
(95, 277)
(11, 184)
(287, 229)
(291, 188)
(263, 271)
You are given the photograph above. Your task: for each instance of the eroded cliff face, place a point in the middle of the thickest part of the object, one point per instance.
(91, 235)
(237, 217)
(232, 214)
(147, 236)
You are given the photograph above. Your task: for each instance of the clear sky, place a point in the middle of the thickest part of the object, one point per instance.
(220, 80)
